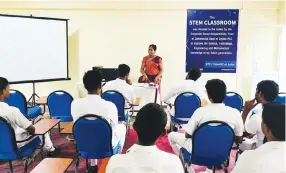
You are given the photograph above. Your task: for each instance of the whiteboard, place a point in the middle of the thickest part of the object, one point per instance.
(33, 49)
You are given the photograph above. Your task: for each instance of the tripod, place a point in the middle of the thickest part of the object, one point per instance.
(34, 96)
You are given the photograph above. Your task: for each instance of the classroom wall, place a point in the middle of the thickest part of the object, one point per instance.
(112, 33)
(283, 12)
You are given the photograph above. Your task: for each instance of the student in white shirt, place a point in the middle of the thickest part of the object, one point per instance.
(144, 156)
(94, 104)
(216, 90)
(270, 157)
(266, 91)
(23, 128)
(188, 85)
(122, 84)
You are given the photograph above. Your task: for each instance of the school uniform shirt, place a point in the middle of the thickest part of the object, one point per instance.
(17, 120)
(94, 104)
(185, 86)
(253, 126)
(219, 112)
(123, 87)
(142, 159)
(268, 158)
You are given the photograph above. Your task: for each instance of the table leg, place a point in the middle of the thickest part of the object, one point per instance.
(59, 126)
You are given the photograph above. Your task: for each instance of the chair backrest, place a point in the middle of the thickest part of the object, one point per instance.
(8, 146)
(18, 100)
(93, 137)
(212, 142)
(281, 98)
(233, 100)
(185, 105)
(118, 99)
(59, 103)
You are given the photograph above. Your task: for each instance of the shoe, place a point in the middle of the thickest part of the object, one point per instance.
(93, 169)
(54, 153)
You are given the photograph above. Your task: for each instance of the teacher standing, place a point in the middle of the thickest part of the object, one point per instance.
(151, 67)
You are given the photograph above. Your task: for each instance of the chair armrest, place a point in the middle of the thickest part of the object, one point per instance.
(130, 106)
(25, 140)
(28, 106)
(132, 111)
(37, 119)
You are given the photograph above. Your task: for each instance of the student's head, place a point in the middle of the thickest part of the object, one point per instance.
(123, 70)
(194, 74)
(150, 123)
(273, 121)
(266, 91)
(92, 81)
(4, 88)
(216, 90)
(152, 49)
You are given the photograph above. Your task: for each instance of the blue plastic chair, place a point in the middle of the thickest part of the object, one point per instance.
(185, 105)
(18, 100)
(281, 98)
(8, 145)
(59, 103)
(118, 99)
(211, 145)
(234, 100)
(93, 138)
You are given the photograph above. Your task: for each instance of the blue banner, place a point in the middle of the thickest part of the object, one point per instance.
(212, 40)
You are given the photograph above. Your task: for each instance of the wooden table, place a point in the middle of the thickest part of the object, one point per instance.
(68, 129)
(52, 165)
(42, 100)
(136, 102)
(45, 125)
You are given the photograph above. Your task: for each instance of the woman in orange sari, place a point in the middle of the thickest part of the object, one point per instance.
(151, 67)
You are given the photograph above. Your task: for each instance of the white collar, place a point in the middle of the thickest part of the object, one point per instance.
(121, 80)
(93, 96)
(190, 80)
(216, 104)
(273, 145)
(142, 149)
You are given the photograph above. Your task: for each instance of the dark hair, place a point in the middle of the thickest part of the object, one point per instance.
(123, 70)
(273, 116)
(150, 123)
(216, 90)
(154, 47)
(269, 89)
(3, 84)
(194, 74)
(92, 80)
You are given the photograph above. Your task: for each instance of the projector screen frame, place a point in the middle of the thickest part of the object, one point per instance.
(44, 80)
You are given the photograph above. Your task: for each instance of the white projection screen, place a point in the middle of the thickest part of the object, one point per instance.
(33, 49)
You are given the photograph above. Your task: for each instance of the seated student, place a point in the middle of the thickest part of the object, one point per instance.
(266, 91)
(144, 156)
(188, 85)
(22, 126)
(216, 90)
(94, 104)
(122, 84)
(270, 157)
